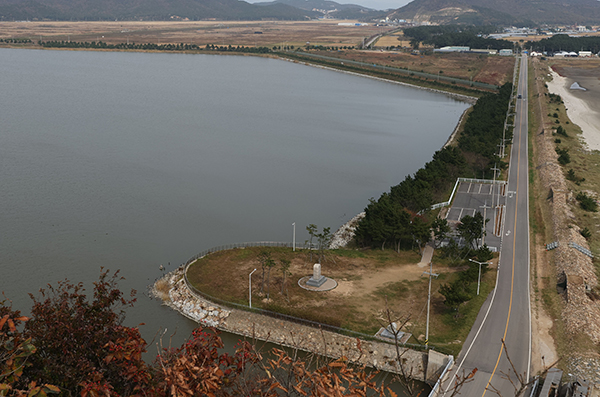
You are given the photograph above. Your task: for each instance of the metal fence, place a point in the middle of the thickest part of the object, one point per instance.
(281, 316)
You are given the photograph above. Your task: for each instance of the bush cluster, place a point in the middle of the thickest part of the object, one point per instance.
(77, 346)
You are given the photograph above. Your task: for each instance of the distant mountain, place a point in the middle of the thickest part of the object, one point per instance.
(332, 8)
(505, 12)
(326, 5)
(146, 10)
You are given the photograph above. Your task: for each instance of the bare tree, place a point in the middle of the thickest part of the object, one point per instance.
(519, 382)
(394, 324)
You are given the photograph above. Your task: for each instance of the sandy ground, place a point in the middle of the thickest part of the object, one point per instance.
(581, 106)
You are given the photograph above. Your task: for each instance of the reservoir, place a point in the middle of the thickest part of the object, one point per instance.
(131, 161)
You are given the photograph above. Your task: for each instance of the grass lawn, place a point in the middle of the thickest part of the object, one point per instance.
(366, 279)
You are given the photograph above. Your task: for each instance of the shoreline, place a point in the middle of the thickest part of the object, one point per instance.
(458, 97)
(578, 110)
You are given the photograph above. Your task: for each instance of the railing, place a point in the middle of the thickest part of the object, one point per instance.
(297, 320)
(438, 384)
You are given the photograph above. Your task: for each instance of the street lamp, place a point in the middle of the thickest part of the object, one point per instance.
(479, 278)
(250, 288)
(294, 237)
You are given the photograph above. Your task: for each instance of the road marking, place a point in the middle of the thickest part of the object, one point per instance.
(512, 282)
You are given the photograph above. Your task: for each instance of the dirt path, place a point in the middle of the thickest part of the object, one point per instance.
(543, 346)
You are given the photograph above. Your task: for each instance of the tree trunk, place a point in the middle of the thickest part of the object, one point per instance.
(268, 282)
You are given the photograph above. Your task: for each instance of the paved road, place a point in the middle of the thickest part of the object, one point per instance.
(506, 313)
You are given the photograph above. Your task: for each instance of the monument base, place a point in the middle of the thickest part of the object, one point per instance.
(316, 282)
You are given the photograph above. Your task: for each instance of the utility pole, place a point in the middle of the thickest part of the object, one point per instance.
(250, 288)
(485, 207)
(430, 274)
(494, 183)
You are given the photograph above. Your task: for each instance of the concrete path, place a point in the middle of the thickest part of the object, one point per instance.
(427, 255)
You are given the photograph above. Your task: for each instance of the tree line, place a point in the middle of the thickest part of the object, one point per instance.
(151, 46)
(394, 219)
(564, 42)
(15, 41)
(456, 35)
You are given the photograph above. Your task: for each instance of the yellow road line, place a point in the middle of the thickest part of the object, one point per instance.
(512, 282)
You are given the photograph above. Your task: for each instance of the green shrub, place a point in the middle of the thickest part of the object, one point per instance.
(585, 232)
(563, 156)
(586, 202)
(561, 131)
(571, 176)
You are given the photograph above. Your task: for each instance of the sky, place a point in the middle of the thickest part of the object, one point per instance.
(376, 4)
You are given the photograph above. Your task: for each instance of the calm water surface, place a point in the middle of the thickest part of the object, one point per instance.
(131, 160)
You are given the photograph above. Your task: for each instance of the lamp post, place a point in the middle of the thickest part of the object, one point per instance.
(250, 288)
(294, 237)
(479, 278)
(430, 274)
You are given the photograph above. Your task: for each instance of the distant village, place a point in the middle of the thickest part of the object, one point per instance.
(509, 32)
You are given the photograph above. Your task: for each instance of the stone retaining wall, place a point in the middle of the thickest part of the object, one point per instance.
(373, 354)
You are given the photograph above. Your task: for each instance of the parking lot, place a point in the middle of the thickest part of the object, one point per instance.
(486, 198)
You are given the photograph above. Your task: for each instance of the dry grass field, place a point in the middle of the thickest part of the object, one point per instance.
(327, 33)
(484, 68)
(393, 40)
(365, 279)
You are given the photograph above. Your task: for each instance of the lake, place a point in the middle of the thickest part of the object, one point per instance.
(131, 161)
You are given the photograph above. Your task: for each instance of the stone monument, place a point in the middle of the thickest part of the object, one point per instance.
(317, 278)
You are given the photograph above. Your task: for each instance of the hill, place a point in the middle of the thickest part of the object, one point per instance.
(331, 8)
(503, 12)
(146, 10)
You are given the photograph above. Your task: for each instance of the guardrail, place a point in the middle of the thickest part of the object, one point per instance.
(581, 249)
(438, 384)
(297, 320)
